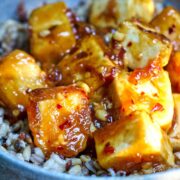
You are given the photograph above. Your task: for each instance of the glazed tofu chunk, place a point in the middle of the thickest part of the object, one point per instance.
(109, 13)
(145, 89)
(168, 24)
(52, 33)
(19, 73)
(174, 132)
(137, 45)
(59, 119)
(173, 69)
(131, 141)
(87, 64)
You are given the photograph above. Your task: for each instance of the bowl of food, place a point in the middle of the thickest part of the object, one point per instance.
(89, 89)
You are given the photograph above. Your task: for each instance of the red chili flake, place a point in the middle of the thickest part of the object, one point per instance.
(122, 109)
(60, 148)
(130, 115)
(74, 139)
(157, 107)
(132, 101)
(115, 43)
(66, 124)
(155, 94)
(84, 94)
(142, 93)
(148, 72)
(58, 106)
(81, 55)
(172, 29)
(108, 149)
(129, 44)
(122, 52)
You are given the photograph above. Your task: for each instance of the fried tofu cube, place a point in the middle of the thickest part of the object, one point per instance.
(173, 69)
(131, 141)
(143, 90)
(19, 73)
(109, 13)
(137, 45)
(174, 132)
(168, 24)
(59, 119)
(52, 33)
(88, 64)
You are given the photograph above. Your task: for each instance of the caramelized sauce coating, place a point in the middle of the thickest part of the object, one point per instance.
(59, 119)
(137, 45)
(131, 141)
(142, 90)
(19, 73)
(168, 24)
(88, 63)
(51, 33)
(173, 69)
(110, 13)
(143, 74)
(174, 132)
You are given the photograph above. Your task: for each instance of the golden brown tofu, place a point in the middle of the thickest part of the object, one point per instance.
(168, 24)
(59, 119)
(19, 73)
(147, 89)
(173, 69)
(127, 143)
(174, 132)
(109, 13)
(137, 45)
(52, 34)
(88, 64)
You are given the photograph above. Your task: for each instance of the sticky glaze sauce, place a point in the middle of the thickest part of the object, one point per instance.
(148, 72)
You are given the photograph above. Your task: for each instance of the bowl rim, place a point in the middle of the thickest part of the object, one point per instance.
(13, 161)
